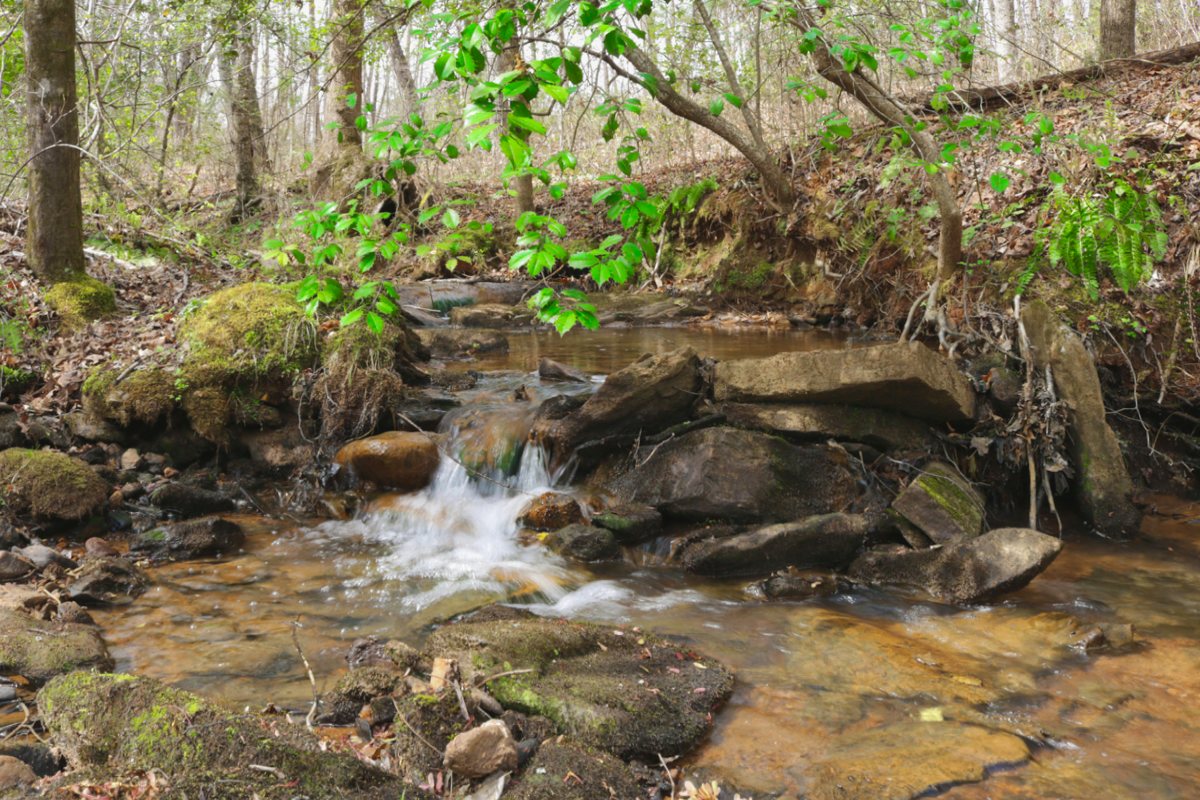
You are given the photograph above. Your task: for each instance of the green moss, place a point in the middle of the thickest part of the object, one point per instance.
(50, 485)
(82, 300)
(120, 722)
(208, 409)
(143, 396)
(39, 650)
(953, 498)
(248, 334)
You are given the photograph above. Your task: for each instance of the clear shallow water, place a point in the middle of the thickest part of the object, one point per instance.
(811, 675)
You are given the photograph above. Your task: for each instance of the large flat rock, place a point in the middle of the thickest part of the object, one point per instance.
(886, 430)
(906, 377)
(826, 540)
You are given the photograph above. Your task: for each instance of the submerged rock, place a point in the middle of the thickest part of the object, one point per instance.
(825, 541)
(456, 342)
(207, 536)
(908, 760)
(942, 505)
(50, 486)
(112, 723)
(401, 460)
(906, 377)
(625, 692)
(797, 585)
(108, 580)
(969, 571)
(480, 751)
(38, 651)
(886, 430)
(724, 473)
(651, 394)
(1102, 484)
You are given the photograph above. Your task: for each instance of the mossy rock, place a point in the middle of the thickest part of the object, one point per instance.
(425, 725)
(81, 300)
(247, 340)
(50, 485)
(566, 770)
(115, 723)
(628, 693)
(942, 505)
(39, 651)
(142, 396)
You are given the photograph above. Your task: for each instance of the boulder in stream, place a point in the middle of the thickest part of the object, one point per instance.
(490, 315)
(550, 512)
(195, 538)
(109, 724)
(566, 770)
(584, 542)
(828, 541)
(651, 394)
(456, 342)
(14, 566)
(401, 460)
(623, 691)
(741, 476)
(550, 370)
(968, 571)
(186, 500)
(630, 523)
(905, 377)
(108, 580)
(38, 651)
(1102, 484)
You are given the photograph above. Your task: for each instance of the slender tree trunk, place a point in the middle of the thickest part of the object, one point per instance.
(400, 66)
(236, 66)
(341, 142)
(1118, 29)
(1006, 31)
(510, 59)
(55, 235)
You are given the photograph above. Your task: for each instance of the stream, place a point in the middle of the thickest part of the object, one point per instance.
(813, 676)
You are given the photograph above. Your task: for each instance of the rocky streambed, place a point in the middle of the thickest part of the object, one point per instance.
(750, 564)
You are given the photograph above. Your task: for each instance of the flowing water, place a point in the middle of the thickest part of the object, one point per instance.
(813, 676)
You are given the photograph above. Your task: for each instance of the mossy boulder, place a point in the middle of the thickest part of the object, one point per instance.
(622, 691)
(38, 651)
(941, 505)
(143, 396)
(550, 512)
(81, 300)
(14, 381)
(250, 339)
(49, 485)
(115, 723)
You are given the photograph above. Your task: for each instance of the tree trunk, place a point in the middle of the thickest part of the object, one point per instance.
(510, 59)
(400, 65)
(1006, 32)
(55, 237)
(1118, 29)
(236, 66)
(341, 159)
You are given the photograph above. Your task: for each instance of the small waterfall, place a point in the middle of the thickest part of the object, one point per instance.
(458, 536)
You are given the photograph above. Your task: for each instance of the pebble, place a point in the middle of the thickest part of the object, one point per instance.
(96, 546)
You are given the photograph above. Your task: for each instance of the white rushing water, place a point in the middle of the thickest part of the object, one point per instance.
(459, 535)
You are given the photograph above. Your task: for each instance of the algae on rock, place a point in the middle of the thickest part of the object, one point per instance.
(143, 396)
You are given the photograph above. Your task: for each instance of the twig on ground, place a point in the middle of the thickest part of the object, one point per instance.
(312, 712)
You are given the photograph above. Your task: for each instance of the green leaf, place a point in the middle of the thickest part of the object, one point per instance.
(999, 181)
(559, 93)
(716, 107)
(352, 317)
(451, 219)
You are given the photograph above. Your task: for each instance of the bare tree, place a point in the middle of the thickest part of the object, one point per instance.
(389, 24)
(1006, 34)
(340, 164)
(236, 65)
(1118, 29)
(55, 238)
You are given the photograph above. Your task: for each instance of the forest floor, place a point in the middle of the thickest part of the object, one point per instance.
(856, 248)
